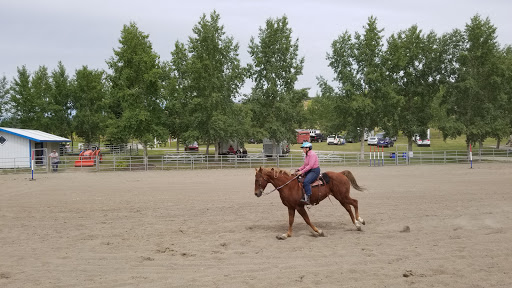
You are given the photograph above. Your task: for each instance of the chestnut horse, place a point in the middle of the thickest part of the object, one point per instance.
(290, 191)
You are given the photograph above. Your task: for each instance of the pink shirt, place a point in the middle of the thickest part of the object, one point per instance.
(310, 162)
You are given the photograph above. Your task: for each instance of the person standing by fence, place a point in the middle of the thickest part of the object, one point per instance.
(54, 159)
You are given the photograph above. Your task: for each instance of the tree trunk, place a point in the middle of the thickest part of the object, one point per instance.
(361, 138)
(480, 147)
(498, 143)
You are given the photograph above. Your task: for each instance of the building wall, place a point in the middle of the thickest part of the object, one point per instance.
(15, 147)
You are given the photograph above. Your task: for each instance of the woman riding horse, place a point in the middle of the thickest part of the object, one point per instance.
(290, 193)
(310, 170)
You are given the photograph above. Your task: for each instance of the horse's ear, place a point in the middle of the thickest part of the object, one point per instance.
(259, 170)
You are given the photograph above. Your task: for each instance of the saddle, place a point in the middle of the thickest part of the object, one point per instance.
(322, 180)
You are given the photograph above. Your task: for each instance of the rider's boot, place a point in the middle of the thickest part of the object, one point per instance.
(305, 199)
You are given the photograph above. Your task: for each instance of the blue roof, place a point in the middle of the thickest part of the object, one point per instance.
(34, 135)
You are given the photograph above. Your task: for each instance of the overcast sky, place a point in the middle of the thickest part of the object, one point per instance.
(43, 32)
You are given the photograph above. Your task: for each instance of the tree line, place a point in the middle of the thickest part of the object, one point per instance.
(457, 82)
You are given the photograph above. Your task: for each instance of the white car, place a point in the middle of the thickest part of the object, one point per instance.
(423, 142)
(335, 140)
(372, 140)
(331, 140)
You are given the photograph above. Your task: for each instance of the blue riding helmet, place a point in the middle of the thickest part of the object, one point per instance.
(306, 144)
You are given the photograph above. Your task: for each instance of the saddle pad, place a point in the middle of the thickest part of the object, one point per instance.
(321, 181)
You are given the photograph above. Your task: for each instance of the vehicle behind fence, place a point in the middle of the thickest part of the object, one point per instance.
(192, 161)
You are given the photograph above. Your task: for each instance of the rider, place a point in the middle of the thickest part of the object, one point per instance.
(310, 169)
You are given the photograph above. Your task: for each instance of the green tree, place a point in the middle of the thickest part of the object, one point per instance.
(177, 100)
(4, 99)
(89, 103)
(41, 89)
(413, 65)
(60, 102)
(137, 99)
(276, 105)
(474, 100)
(23, 107)
(322, 112)
(215, 78)
(507, 107)
(359, 71)
(29, 98)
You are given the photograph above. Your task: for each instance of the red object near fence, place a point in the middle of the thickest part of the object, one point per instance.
(88, 158)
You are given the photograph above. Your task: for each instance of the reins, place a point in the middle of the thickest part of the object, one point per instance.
(266, 193)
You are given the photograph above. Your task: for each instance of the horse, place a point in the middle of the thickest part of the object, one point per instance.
(290, 191)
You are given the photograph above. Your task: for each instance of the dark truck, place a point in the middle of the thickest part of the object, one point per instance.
(316, 137)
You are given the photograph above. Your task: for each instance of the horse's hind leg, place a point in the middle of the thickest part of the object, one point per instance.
(304, 215)
(356, 209)
(355, 220)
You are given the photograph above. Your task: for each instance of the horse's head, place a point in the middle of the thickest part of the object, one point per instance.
(260, 182)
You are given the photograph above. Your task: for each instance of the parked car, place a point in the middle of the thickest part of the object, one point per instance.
(372, 140)
(192, 147)
(385, 142)
(316, 137)
(331, 140)
(423, 142)
(335, 140)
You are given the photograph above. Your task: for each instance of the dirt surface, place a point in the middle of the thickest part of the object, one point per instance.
(426, 226)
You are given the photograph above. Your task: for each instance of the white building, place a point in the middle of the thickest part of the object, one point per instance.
(18, 145)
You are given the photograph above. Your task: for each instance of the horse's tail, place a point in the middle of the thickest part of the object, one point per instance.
(352, 180)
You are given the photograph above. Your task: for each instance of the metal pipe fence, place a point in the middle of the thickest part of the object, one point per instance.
(192, 161)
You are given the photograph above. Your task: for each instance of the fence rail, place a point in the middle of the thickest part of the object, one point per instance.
(192, 161)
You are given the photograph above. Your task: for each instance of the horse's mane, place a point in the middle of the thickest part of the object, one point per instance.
(277, 171)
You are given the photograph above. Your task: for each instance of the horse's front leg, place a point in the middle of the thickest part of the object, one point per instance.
(304, 214)
(291, 217)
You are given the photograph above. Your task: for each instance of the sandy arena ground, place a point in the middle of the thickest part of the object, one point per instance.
(205, 228)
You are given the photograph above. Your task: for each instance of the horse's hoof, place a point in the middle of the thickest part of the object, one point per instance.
(282, 237)
(359, 228)
(321, 233)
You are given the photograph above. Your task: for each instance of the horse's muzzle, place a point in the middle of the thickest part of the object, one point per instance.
(258, 192)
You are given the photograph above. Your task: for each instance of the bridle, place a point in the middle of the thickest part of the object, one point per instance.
(277, 188)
